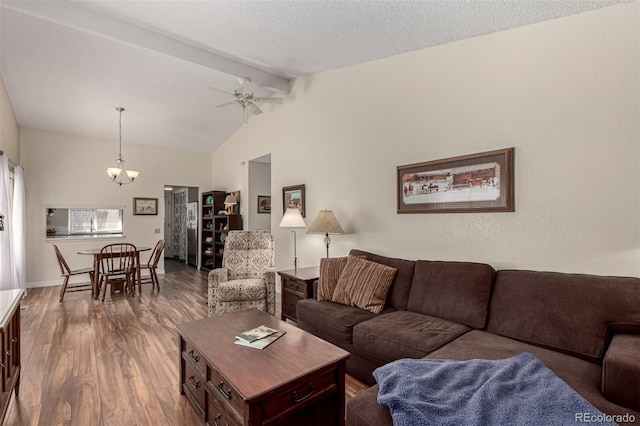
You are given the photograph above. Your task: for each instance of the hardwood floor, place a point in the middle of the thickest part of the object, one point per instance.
(114, 363)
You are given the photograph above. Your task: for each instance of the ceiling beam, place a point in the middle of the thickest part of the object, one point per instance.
(83, 19)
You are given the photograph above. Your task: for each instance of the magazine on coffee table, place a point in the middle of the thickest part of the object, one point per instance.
(261, 343)
(254, 334)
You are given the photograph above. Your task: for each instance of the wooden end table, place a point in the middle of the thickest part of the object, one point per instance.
(298, 379)
(296, 284)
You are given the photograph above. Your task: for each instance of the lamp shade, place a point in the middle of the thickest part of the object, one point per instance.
(230, 200)
(292, 219)
(325, 223)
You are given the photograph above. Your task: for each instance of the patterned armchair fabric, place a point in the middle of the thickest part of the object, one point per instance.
(247, 278)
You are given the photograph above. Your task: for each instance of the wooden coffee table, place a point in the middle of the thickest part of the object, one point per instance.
(296, 380)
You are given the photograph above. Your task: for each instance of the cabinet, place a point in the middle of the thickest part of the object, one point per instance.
(297, 284)
(214, 228)
(10, 342)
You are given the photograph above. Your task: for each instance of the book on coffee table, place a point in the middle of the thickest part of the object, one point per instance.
(261, 343)
(255, 334)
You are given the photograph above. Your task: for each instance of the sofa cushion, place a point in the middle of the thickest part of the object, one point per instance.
(364, 284)
(330, 270)
(582, 375)
(568, 312)
(398, 294)
(404, 334)
(330, 321)
(456, 291)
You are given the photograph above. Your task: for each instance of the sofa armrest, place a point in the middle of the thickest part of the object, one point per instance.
(621, 371)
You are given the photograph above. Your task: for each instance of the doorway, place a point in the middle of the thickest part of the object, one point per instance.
(181, 226)
(260, 188)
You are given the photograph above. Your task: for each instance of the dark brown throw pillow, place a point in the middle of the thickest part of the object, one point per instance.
(364, 284)
(330, 271)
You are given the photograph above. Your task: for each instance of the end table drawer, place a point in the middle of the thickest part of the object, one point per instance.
(301, 395)
(226, 393)
(194, 384)
(295, 286)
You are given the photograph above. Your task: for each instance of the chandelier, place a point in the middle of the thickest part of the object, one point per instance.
(115, 173)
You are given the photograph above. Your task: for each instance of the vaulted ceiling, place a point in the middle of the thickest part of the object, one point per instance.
(68, 64)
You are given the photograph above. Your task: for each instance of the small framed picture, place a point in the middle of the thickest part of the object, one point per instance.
(264, 204)
(293, 198)
(145, 206)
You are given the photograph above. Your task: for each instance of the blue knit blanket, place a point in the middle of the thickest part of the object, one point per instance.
(519, 390)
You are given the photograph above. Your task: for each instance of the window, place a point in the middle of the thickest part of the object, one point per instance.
(84, 222)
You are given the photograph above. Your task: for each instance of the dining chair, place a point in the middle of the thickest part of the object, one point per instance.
(117, 265)
(152, 265)
(67, 272)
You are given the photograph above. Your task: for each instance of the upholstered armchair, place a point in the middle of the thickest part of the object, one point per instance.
(247, 278)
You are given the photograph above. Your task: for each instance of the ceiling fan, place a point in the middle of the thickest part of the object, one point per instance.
(244, 96)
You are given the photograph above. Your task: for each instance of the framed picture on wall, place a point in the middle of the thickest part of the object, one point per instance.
(482, 182)
(264, 204)
(145, 206)
(293, 198)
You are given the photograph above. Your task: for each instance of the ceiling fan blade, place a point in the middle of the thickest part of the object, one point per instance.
(254, 109)
(269, 100)
(226, 104)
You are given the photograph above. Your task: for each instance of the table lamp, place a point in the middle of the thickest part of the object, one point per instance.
(293, 219)
(325, 223)
(229, 202)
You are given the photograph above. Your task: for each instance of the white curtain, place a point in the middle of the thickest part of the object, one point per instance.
(18, 229)
(7, 271)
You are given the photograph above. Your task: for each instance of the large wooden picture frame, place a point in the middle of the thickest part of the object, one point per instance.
(482, 182)
(145, 206)
(293, 197)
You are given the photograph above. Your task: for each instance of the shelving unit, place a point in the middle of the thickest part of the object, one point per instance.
(214, 228)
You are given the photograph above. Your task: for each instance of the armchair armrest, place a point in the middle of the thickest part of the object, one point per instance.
(621, 371)
(269, 278)
(215, 277)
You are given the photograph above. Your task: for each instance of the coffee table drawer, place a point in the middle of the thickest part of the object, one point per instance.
(226, 393)
(301, 395)
(194, 356)
(220, 414)
(194, 384)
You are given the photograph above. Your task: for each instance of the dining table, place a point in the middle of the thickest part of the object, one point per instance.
(95, 252)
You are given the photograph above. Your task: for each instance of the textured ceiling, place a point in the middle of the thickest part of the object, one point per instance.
(68, 64)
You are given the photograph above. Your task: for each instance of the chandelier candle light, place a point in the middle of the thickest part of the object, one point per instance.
(325, 223)
(293, 219)
(115, 173)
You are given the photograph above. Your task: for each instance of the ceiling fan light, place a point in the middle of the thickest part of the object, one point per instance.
(113, 172)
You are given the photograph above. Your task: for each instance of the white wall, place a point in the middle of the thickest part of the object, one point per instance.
(9, 130)
(259, 184)
(564, 93)
(63, 169)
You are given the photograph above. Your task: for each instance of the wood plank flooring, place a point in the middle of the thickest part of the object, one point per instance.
(85, 362)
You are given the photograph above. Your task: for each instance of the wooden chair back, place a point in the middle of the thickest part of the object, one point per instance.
(155, 254)
(65, 270)
(117, 258)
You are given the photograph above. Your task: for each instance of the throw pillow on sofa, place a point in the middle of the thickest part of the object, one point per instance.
(364, 284)
(330, 270)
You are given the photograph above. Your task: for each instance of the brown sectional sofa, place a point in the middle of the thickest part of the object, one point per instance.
(585, 328)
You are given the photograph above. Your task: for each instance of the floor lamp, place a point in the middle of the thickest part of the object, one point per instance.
(293, 219)
(325, 223)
